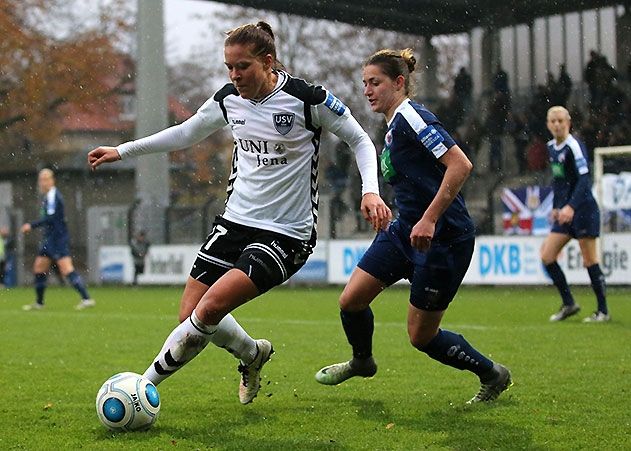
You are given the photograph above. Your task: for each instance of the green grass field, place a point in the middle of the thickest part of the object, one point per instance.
(572, 380)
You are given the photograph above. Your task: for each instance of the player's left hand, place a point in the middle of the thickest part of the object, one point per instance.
(375, 211)
(422, 234)
(566, 214)
(26, 228)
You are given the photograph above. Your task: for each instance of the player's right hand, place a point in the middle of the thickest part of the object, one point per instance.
(103, 154)
(26, 228)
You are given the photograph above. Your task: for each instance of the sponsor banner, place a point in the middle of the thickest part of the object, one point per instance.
(116, 264)
(343, 258)
(516, 261)
(315, 269)
(168, 264)
(496, 261)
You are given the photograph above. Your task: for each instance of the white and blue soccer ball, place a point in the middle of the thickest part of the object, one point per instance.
(128, 402)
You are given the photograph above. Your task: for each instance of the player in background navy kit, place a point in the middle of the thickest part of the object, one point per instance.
(430, 243)
(268, 227)
(55, 244)
(575, 214)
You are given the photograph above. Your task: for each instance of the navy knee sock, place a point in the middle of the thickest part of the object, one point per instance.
(77, 283)
(599, 286)
(558, 278)
(453, 350)
(40, 286)
(359, 327)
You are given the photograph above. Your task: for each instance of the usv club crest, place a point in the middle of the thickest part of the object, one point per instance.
(283, 122)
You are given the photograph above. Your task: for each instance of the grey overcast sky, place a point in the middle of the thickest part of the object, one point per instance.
(187, 26)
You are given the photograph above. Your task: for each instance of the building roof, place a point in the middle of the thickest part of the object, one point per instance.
(426, 17)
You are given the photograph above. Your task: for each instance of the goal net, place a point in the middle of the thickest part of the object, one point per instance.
(612, 180)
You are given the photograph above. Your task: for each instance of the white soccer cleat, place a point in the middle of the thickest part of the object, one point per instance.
(597, 317)
(491, 390)
(251, 374)
(565, 312)
(339, 372)
(33, 306)
(85, 303)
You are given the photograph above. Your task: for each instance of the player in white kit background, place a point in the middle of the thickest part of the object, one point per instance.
(268, 228)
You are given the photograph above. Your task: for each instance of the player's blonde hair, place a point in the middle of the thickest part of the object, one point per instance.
(394, 63)
(47, 172)
(559, 109)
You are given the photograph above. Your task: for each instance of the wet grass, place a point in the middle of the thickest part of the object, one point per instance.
(572, 380)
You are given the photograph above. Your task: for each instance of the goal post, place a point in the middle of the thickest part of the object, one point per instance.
(600, 155)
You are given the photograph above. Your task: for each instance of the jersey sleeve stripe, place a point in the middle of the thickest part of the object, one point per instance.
(579, 158)
(413, 118)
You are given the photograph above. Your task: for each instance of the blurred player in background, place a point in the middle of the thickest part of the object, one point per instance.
(4, 238)
(55, 244)
(139, 246)
(430, 243)
(268, 228)
(575, 214)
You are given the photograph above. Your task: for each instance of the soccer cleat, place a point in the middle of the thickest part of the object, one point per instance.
(597, 317)
(565, 312)
(339, 372)
(251, 374)
(490, 390)
(33, 306)
(85, 303)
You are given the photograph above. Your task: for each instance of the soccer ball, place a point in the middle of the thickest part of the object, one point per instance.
(127, 402)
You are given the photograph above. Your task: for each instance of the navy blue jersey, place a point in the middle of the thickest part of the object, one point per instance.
(414, 142)
(52, 218)
(570, 174)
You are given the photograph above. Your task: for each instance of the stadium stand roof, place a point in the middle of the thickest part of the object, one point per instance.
(426, 17)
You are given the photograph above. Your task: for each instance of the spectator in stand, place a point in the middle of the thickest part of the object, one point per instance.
(495, 127)
(518, 128)
(500, 81)
(463, 86)
(590, 74)
(564, 85)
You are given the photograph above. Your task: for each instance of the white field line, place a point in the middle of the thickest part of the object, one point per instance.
(244, 320)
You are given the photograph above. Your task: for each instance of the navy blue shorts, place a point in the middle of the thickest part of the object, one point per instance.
(54, 250)
(435, 275)
(586, 223)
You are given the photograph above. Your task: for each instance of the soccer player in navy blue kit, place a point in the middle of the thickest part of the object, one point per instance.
(430, 243)
(575, 214)
(55, 244)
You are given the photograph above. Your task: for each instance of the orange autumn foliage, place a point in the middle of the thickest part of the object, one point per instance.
(41, 72)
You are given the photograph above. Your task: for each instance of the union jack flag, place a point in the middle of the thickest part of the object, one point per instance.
(527, 210)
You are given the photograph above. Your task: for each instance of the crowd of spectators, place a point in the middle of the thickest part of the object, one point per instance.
(600, 109)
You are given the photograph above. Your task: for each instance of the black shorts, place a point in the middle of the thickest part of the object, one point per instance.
(267, 258)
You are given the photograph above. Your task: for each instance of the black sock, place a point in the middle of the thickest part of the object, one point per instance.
(558, 278)
(359, 327)
(77, 283)
(453, 350)
(40, 286)
(599, 286)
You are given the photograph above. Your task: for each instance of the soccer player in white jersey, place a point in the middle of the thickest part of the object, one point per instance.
(268, 228)
(576, 215)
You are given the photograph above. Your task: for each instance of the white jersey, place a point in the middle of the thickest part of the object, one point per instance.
(273, 183)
